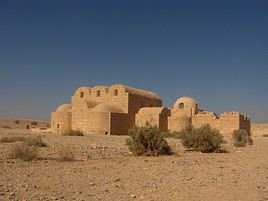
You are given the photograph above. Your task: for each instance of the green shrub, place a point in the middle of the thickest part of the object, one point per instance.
(23, 151)
(241, 138)
(204, 139)
(147, 140)
(74, 133)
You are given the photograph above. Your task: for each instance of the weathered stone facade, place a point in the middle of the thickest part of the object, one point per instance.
(115, 109)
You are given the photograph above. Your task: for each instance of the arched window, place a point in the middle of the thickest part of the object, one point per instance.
(181, 105)
(98, 93)
(81, 94)
(115, 92)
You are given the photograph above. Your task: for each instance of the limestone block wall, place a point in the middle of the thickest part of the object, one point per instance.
(205, 117)
(61, 122)
(137, 102)
(79, 116)
(177, 123)
(119, 124)
(155, 116)
(229, 121)
(245, 123)
(163, 119)
(115, 95)
(97, 123)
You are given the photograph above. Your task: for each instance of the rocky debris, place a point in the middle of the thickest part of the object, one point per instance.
(132, 195)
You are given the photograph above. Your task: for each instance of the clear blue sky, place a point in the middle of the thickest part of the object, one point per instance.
(214, 51)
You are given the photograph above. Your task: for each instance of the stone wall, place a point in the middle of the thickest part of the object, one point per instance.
(157, 116)
(137, 102)
(119, 124)
(226, 123)
(61, 122)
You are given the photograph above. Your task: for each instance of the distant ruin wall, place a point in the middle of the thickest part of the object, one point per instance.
(226, 123)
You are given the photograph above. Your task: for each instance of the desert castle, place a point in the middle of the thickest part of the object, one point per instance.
(115, 109)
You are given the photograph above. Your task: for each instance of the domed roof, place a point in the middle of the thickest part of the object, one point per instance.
(107, 108)
(91, 103)
(185, 102)
(64, 108)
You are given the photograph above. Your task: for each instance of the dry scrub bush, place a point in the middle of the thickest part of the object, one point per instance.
(241, 138)
(34, 123)
(66, 154)
(35, 141)
(204, 139)
(147, 140)
(30, 141)
(23, 151)
(12, 139)
(74, 133)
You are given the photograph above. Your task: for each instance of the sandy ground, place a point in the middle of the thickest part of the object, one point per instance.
(105, 170)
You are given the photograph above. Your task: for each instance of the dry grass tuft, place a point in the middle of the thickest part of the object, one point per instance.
(66, 155)
(23, 151)
(12, 139)
(30, 141)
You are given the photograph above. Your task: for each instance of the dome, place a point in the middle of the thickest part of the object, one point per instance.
(107, 108)
(91, 104)
(64, 108)
(185, 102)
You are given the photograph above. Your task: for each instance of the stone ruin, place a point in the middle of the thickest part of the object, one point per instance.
(115, 109)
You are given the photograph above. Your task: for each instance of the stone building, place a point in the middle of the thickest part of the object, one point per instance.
(115, 109)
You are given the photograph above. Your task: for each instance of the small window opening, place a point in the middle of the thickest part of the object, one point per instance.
(106, 133)
(28, 127)
(58, 126)
(115, 92)
(81, 94)
(181, 105)
(98, 93)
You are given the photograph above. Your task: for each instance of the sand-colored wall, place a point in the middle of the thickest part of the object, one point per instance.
(202, 118)
(98, 123)
(102, 94)
(154, 116)
(179, 119)
(61, 122)
(226, 123)
(259, 129)
(137, 102)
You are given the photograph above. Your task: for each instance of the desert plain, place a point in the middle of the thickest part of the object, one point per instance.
(104, 169)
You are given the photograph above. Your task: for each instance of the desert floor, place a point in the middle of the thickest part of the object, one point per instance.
(105, 170)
